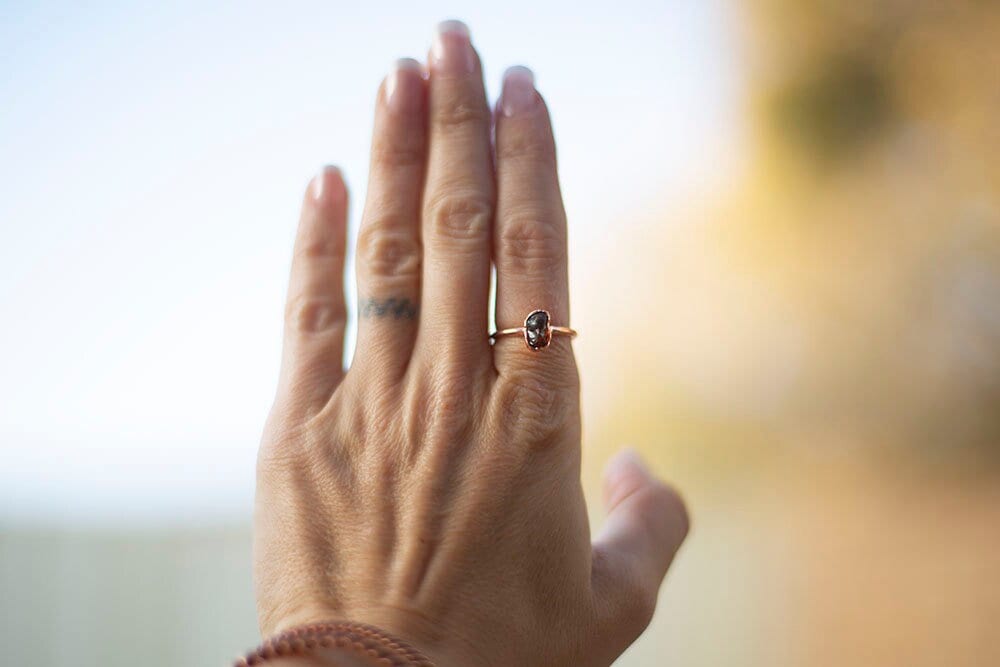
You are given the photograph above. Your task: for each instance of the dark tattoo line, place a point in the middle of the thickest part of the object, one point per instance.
(396, 308)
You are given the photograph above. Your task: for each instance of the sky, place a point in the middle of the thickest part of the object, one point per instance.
(154, 157)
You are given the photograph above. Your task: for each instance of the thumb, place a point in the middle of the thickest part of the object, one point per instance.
(646, 524)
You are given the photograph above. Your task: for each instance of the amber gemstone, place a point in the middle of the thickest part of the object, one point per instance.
(536, 330)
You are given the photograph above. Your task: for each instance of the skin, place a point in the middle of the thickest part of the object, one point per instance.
(433, 489)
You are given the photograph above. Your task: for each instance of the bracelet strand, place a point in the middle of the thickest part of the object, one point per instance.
(356, 639)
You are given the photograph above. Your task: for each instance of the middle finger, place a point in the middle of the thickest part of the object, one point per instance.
(459, 201)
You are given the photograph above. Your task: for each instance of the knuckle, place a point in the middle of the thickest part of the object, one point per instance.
(386, 251)
(536, 408)
(664, 505)
(278, 456)
(450, 412)
(527, 147)
(461, 216)
(638, 608)
(528, 241)
(312, 314)
(669, 504)
(284, 444)
(398, 154)
(302, 453)
(321, 247)
(449, 428)
(459, 113)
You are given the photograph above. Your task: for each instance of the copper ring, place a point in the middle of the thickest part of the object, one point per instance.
(537, 331)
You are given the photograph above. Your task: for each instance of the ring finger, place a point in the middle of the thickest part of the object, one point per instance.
(530, 234)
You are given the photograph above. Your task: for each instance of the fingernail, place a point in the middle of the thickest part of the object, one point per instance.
(518, 95)
(403, 88)
(452, 50)
(319, 182)
(628, 458)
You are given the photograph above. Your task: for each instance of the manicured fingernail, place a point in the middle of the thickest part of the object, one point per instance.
(518, 93)
(452, 50)
(403, 87)
(320, 185)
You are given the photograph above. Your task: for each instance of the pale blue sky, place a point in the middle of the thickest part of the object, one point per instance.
(153, 162)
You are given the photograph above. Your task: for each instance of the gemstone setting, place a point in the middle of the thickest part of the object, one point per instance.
(537, 329)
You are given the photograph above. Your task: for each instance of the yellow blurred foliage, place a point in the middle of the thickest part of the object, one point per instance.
(819, 363)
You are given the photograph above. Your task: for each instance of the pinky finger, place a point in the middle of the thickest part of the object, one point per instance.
(315, 313)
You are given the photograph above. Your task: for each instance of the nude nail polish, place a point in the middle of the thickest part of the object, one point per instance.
(452, 50)
(403, 86)
(319, 182)
(518, 94)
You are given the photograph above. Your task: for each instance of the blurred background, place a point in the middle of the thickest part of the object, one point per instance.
(795, 203)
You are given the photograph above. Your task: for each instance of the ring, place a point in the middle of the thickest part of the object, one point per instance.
(537, 330)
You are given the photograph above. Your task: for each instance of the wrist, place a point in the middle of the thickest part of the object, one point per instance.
(335, 644)
(442, 644)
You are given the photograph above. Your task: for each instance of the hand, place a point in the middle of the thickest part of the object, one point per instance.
(433, 490)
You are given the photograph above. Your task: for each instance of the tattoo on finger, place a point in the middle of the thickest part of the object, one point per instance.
(394, 307)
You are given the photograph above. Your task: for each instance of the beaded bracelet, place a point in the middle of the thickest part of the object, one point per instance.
(355, 639)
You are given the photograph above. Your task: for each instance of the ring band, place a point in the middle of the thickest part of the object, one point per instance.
(537, 330)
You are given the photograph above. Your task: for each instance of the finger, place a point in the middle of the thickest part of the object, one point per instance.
(315, 314)
(646, 524)
(458, 202)
(530, 234)
(389, 254)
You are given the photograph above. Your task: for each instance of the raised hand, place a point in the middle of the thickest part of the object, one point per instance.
(433, 489)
